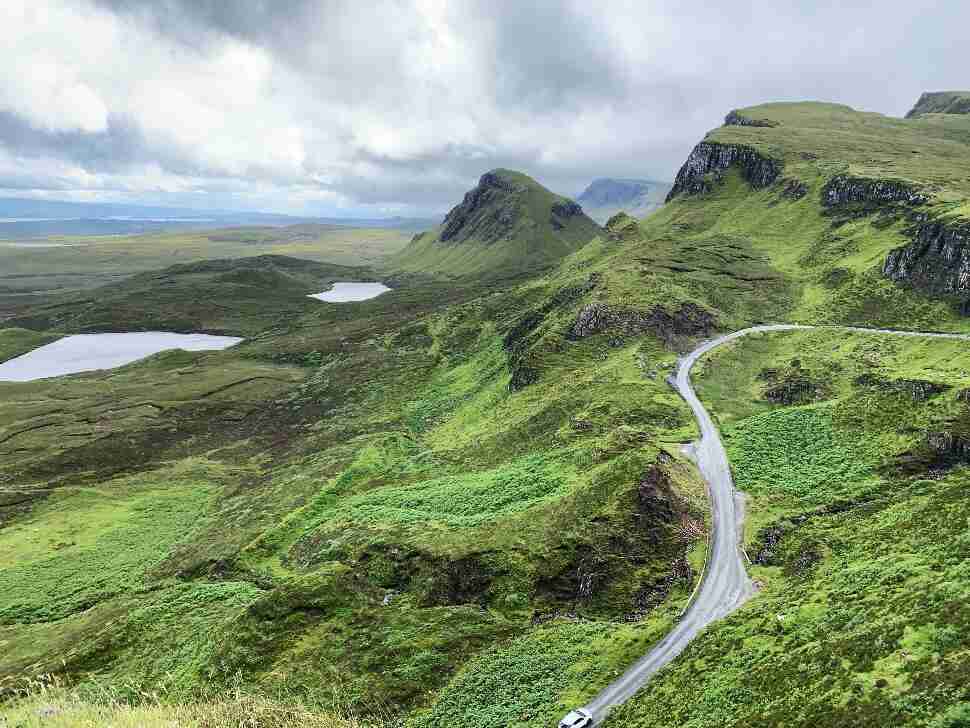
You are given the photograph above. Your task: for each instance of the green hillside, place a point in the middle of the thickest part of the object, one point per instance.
(234, 296)
(465, 503)
(508, 225)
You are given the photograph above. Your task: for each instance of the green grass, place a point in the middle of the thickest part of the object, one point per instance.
(52, 707)
(392, 505)
(14, 342)
(534, 680)
(468, 499)
(929, 150)
(798, 452)
(85, 547)
(858, 542)
(242, 296)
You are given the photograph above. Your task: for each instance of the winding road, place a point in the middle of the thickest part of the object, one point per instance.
(725, 584)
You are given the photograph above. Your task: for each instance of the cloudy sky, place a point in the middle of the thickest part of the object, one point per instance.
(373, 107)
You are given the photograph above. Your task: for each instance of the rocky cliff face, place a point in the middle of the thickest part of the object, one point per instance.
(690, 320)
(844, 189)
(709, 160)
(937, 261)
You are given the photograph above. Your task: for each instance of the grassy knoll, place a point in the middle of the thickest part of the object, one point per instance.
(856, 531)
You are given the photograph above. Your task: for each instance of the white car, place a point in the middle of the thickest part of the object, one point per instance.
(579, 718)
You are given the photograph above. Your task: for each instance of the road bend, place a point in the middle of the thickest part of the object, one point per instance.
(725, 584)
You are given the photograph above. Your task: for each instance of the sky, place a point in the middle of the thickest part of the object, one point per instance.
(396, 107)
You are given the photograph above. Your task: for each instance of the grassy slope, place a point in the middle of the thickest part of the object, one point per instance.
(46, 707)
(324, 491)
(858, 531)
(340, 539)
(14, 341)
(529, 243)
(931, 150)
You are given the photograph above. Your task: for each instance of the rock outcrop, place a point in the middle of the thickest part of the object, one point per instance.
(562, 211)
(735, 118)
(919, 390)
(709, 160)
(844, 189)
(688, 320)
(937, 261)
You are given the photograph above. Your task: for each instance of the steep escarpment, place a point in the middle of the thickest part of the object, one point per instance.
(832, 195)
(937, 261)
(508, 224)
(709, 161)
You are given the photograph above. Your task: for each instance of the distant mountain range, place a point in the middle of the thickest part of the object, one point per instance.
(22, 219)
(607, 196)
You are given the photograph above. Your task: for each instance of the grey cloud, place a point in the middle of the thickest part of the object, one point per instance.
(254, 20)
(620, 89)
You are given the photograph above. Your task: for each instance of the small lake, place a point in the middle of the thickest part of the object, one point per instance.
(89, 352)
(350, 291)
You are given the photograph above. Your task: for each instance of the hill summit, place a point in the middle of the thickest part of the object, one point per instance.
(941, 102)
(508, 223)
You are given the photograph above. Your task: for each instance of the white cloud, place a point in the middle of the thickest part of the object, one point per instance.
(400, 104)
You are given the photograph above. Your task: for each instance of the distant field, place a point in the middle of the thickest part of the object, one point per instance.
(76, 263)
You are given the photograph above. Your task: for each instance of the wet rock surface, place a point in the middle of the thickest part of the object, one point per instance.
(709, 160)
